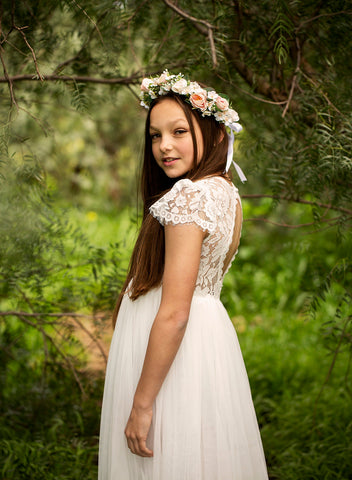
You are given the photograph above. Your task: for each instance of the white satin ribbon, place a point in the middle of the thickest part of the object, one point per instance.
(230, 156)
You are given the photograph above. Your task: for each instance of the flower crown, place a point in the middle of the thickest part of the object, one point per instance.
(207, 101)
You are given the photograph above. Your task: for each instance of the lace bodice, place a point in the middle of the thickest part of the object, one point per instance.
(210, 204)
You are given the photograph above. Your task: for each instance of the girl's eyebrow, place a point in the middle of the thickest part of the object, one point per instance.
(170, 123)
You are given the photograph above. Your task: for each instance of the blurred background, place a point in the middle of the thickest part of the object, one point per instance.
(71, 145)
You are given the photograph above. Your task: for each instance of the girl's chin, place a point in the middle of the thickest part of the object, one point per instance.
(175, 173)
(174, 170)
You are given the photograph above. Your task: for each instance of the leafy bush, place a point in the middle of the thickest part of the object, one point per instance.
(49, 276)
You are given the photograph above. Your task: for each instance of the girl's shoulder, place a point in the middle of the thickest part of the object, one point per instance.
(196, 193)
(207, 186)
(217, 181)
(202, 202)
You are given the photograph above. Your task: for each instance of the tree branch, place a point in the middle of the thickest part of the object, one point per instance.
(331, 221)
(299, 200)
(35, 315)
(259, 84)
(201, 25)
(58, 349)
(70, 315)
(294, 79)
(132, 79)
(90, 19)
(238, 17)
(20, 30)
(319, 89)
(333, 14)
(7, 79)
(204, 27)
(84, 45)
(92, 337)
(234, 85)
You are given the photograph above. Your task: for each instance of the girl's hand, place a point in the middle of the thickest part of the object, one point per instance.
(137, 429)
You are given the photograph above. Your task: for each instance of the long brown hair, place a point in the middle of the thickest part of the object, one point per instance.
(147, 262)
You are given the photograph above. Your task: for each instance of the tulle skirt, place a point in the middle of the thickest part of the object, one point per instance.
(204, 425)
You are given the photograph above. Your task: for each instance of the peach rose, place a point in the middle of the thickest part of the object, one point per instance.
(199, 100)
(222, 103)
(145, 84)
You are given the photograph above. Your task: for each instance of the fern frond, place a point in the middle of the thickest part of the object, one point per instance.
(282, 29)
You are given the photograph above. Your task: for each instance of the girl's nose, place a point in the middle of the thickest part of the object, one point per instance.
(165, 144)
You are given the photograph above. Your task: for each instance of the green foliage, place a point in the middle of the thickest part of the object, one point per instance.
(26, 459)
(48, 429)
(37, 260)
(306, 431)
(282, 30)
(51, 279)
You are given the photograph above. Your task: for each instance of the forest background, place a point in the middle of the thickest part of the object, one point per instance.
(71, 142)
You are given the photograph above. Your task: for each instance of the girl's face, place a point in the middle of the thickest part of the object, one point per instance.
(172, 143)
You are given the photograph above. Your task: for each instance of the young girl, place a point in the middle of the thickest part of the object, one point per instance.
(177, 403)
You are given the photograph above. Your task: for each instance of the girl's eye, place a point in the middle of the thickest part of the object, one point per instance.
(153, 136)
(179, 131)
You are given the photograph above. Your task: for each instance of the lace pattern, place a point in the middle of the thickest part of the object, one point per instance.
(210, 204)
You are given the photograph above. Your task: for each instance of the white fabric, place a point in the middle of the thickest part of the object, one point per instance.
(230, 159)
(204, 424)
(211, 204)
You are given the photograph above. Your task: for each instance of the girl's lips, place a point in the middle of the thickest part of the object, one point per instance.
(169, 161)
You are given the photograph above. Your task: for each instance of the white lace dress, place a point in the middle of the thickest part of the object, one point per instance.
(204, 425)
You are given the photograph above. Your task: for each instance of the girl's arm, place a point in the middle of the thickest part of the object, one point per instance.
(183, 245)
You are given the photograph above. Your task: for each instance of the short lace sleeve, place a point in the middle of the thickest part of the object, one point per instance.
(186, 203)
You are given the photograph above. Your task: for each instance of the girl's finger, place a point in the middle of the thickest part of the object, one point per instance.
(133, 446)
(144, 450)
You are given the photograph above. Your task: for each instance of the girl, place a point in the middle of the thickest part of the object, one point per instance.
(177, 403)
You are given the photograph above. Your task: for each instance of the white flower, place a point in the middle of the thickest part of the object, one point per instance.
(196, 88)
(212, 95)
(145, 84)
(187, 90)
(179, 86)
(234, 115)
(220, 116)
